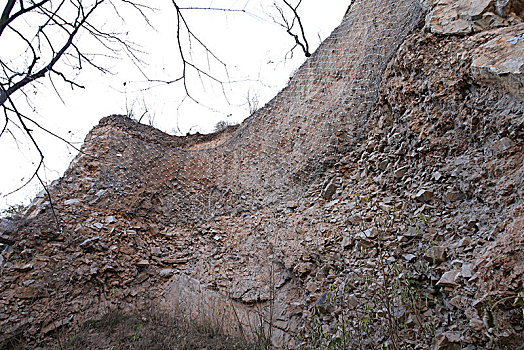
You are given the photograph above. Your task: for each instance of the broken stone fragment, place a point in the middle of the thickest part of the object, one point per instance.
(98, 225)
(28, 292)
(466, 271)
(476, 324)
(166, 273)
(400, 172)
(93, 269)
(56, 324)
(448, 279)
(409, 257)
(292, 204)
(464, 242)
(156, 251)
(413, 232)
(454, 195)
(424, 195)
(435, 254)
(383, 165)
(329, 190)
(89, 243)
(369, 233)
(173, 260)
(446, 341)
(346, 242)
(141, 277)
(500, 61)
(456, 17)
(355, 219)
(325, 303)
(142, 263)
(23, 268)
(501, 145)
(73, 201)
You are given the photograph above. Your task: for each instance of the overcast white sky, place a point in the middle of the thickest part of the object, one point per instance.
(251, 44)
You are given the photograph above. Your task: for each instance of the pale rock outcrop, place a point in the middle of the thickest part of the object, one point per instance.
(470, 16)
(500, 61)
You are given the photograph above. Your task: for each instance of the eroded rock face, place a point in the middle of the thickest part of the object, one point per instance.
(421, 197)
(469, 16)
(500, 61)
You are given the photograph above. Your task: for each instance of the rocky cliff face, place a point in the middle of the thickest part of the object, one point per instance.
(377, 200)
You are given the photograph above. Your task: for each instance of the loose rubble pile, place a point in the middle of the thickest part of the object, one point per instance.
(412, 235)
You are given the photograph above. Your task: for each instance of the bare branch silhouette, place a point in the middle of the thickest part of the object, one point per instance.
(284, 22)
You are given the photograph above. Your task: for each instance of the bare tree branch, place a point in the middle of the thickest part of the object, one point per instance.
(4, 95)
(6, 18)
(300, 41)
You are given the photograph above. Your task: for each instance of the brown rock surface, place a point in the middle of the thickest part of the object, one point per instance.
(246, 226)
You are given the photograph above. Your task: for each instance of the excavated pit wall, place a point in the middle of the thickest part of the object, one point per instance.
(436, 142)
(272, 156)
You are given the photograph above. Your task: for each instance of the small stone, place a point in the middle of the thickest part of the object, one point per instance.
(156, 251)
(175, 260)
(56, 324)
(413, 232)
(457, 264)
(324, 304)
(142, 263)
(5, 247)
(453, 195)
(28, 292)
(369, 233)
(89, 243)
(436, 176)
(464, 242)
(355, 219)
(142, 277)
(165, 273)
(110, 219)
(73, 201)
(435, 254)
(312, 286)
(448, 279)
(98, 225)
(400, 172)
(364, 244)
(446, 341)
(502, 145)
(457, 302)
(466, 271)
(424, 196)
(346, 242)
(409, 257)
(476, 324)
(329, 190)
(23, 268)
(332, 203)
(383, 165)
